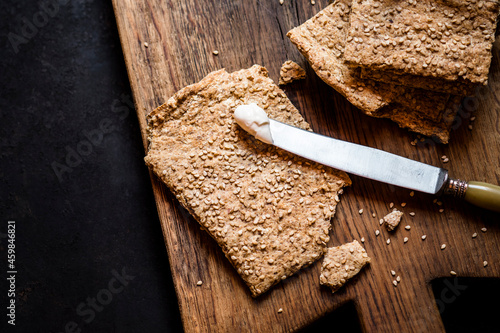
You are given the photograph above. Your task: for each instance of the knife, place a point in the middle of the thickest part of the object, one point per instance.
(364, 161)
(381, 166)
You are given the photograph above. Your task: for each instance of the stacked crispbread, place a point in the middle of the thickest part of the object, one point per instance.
(409, 61)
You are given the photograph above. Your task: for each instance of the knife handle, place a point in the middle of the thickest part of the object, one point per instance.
(481, 194)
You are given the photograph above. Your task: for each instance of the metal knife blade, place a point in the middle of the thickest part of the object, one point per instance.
(358, 160)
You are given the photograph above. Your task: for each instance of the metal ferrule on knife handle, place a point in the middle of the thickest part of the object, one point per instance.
(456, 188)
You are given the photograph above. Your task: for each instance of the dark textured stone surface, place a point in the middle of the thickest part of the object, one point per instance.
(72, 177)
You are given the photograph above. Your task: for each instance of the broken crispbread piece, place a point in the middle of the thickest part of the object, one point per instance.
(291, 71)
(268, 209)
(444, 39)
(322, 40)
(393, 219)
(438, 130)
(341, 263)
(423, 82)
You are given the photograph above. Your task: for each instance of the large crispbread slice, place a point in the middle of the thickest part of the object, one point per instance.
(445, 39)
(322, 40)
(268, 210)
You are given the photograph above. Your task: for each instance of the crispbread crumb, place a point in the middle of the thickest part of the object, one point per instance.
(291, 71)
(341, 263)
(392, 219)
(244, 193)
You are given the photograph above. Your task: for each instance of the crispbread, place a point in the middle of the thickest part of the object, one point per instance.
(458, 87)
(447, 39)
(268, 210)
(392, 219)
(322, 40)
(341, 263)
(414, 122)
(291, 71)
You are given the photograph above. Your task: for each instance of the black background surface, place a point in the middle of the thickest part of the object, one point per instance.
(82, 219)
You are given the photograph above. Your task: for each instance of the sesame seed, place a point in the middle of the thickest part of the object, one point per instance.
(403, 204)
(398, 278)
(405, 239)
(470, 127)
(146, 45)
(439, 203)
(393, 273)
(391, 205)
(361, 211)
(412, 193)
(443, 157)
(443, 246)
(377, 232)
(313, 2)
(281, 2)
(362, 239)
(395, 283)
(381, 221)
(412, 213)
(215, 52)
(472, 118)
(199, 283)
(485, 263)
(280, 310)
(446, 160)
(441, 210)
(408, 227)
(388, 241)
(453, 273)
(424, 237)
(474, 235)
(484, 229)
(374, 215)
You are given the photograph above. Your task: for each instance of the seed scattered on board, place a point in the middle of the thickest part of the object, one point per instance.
(362, 239)
(215, 52)
(377, 232)
(408, 227)
(484, 229)
(199, 283)
(146, 45)
(280, 310)
(474, 235)
(395, 283)
(485, 263)
(393, 272)
(424, 237)
(443, 246)
(405, 239)
(412, 193)
(453, 273)
(388, 241)
(361, 211)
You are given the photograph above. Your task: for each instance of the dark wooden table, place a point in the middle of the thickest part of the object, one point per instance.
(169, 44)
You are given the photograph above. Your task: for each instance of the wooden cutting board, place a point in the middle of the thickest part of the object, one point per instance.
(181, 37)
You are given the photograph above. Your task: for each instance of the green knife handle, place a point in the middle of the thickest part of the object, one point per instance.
(483, 195)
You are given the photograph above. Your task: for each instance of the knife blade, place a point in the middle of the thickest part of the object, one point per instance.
(358, 160)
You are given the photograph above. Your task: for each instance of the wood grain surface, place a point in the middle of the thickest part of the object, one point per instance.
(181, 37)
